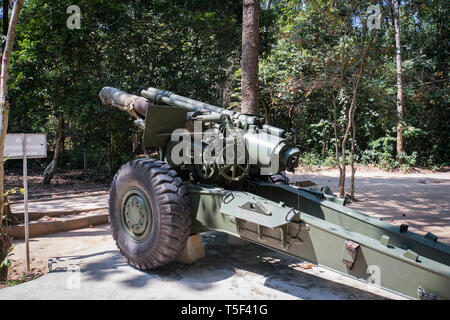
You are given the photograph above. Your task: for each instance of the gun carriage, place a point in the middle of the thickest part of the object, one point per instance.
(223, 170)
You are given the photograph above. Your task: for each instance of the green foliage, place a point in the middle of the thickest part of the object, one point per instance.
(316, 58)
(381, 152)
(189, 47)
(5, 259)
(310, 52)
(314, 159)
(14, 191)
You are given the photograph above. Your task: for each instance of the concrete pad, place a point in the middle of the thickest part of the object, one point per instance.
(227, 272)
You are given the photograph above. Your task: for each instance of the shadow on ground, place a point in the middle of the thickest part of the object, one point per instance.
(421, 202)
(248, 270)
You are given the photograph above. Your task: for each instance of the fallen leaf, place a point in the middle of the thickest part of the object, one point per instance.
(307, 266)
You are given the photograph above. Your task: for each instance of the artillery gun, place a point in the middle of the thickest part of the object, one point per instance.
(223, 170)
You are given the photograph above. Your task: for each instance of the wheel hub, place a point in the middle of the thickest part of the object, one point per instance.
(136, 215)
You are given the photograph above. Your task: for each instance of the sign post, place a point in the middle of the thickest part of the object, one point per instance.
(24, 146)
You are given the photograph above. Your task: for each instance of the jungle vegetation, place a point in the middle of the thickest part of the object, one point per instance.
(322, 71)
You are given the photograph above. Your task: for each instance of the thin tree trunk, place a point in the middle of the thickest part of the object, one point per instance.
(85, 160)
(250, 62)
(267, 112)
(336, 142)
(352, 159)
(5, 239)
(6, 243)
(351, 114)
(110, 159)
(10, 217)
(51, 168)
(99, 164)
(5, 17)
(400, 114)
(4, 107)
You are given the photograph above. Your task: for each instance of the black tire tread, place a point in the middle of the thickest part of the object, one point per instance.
(174, 208)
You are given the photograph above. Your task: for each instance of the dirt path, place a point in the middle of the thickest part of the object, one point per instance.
(72, 184)
(422, 200)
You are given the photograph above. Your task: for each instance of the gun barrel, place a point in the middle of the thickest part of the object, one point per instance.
(182, 102)
(172, 99)
(134, 105)
(116, 97)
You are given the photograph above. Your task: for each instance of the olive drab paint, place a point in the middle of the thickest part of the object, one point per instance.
(235, 196)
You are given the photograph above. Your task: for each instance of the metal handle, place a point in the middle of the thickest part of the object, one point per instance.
(292, 212)
(229, 195)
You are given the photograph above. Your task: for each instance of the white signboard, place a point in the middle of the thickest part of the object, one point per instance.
(36, 146)
(24, 146)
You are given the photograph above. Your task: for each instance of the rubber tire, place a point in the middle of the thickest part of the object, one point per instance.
(279, 178)
(171, 213)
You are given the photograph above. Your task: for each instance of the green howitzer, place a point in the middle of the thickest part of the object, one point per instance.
(221, 170)
(239, 144)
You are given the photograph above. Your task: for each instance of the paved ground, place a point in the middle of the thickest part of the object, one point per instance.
(422, 200)
(86, 263)
(94, 269)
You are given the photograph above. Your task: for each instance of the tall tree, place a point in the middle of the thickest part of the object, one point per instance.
(4, 107)
(4, 112)
(51, 168)
(400, 114)
(250, 61)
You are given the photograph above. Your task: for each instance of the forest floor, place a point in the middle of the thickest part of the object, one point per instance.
(64, 185)
(420, 199)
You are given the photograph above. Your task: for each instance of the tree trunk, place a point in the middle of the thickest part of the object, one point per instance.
(6, 243)
(4, 107)
(267, 112)
(10, 218)
(85, 160)
(335, 123)
(250, 62)
(5, 17)
(51, 168)
(400, 115)
(336, 139)
(350, 123)
(351, 115)
(5, 239)
(352, 159)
